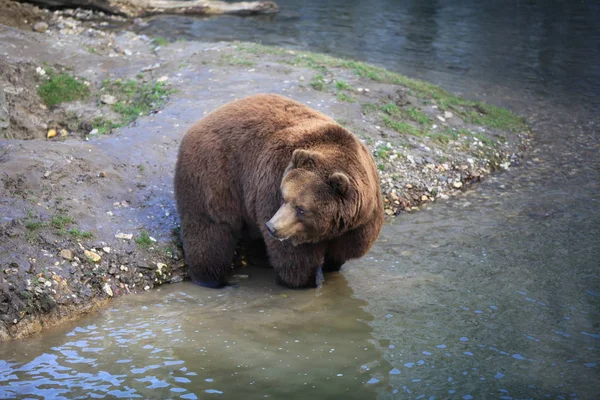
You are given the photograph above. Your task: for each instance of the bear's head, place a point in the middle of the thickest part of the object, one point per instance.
(320, 200)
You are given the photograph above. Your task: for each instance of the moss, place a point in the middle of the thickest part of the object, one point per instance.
(62, 88)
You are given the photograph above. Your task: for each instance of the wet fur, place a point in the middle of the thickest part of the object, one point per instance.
(228, 175)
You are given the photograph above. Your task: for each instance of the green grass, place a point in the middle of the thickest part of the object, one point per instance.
(417, 115)
(143, 239)
(345, 97)
(235, 61)
(470, 111)
(368, 108)
(160, 41)
(34, 225)
(60, 221)
(78, 234)
(62, 88)
(135, 98)
(318, 82)
(342, 85)
(103, 125)
(401, 126)
(390, 109)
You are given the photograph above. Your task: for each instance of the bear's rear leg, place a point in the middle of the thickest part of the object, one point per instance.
(208, 248)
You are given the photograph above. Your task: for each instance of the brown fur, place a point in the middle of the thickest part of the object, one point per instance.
(232, 168)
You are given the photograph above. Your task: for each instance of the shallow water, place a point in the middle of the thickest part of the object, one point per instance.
(492, 294)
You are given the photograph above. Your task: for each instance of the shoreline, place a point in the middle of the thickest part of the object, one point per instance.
(90, 215)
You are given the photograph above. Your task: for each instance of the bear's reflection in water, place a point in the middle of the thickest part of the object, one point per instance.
(251, 340)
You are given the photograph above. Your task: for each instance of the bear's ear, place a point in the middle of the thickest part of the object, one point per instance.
(303, 158)
(339, 182)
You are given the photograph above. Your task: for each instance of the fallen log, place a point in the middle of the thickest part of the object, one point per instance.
(143, 8)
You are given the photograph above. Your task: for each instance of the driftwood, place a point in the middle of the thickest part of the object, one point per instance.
(141, 8)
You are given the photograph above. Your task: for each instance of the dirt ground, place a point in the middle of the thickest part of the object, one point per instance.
(86, 217)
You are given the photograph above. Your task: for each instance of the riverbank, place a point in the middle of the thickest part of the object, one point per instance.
(87, 205)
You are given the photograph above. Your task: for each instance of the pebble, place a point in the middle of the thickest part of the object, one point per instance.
(92, 255)
(51, 133)
(66, 254)
(40, 27)
(126, 236)
(441, 118)
(162, 79)
(448, 114)
(108, 289)
(457, 184)
(108, 99)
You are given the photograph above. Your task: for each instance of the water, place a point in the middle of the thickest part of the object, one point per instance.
(493, 294)
(534, 47)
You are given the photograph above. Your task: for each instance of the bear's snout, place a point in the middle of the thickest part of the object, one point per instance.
(271, 229)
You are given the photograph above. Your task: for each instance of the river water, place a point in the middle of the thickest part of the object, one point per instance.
(492, 294)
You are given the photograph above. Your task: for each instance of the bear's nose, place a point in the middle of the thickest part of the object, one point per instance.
(271, 229)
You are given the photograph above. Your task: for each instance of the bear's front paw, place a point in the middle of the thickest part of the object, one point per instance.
(211, 283)
(331, 266)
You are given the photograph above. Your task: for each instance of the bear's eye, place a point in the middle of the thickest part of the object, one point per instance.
(299, 211)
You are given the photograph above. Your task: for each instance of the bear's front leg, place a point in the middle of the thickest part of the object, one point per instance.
(296, 266)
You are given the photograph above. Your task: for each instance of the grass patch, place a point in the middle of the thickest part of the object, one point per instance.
(417, 115)
(391, 109)
(345, 97)
(60, 221)
(368, 108)
(135, 98)
(318, 82)
(143, 239)
(78, 234)
(103, 125)
(235, 61)
(62, 88)
(471, 111)
(160, 41)
(343, 85)
(401, 126)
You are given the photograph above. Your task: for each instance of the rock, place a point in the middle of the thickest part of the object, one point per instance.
(448, 114)
(40, 27)
(457, 185)
(424, 198)
(51, 133)
(102, 174)
(40, 71)
(106, 249)
(47, 174)
(93, 256)
(126, 236)
(64, 132)
(108, 289)
(162, 79)
(127, 52)
(441, 118)
(408, 186)
(108, 99)
(93, 131)
(4, 116)
(394, 196)
(66, 254)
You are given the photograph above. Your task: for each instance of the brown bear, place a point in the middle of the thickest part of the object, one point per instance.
(274, 168)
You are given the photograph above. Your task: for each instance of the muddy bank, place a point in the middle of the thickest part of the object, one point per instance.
(88, 211)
